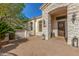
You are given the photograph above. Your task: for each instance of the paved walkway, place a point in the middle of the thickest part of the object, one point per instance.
(35, 46)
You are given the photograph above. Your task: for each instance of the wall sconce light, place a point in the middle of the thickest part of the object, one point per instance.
(75, 42)
(73, 18)
(44, 23)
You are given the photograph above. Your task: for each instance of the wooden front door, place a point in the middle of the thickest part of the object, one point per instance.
(61, 28)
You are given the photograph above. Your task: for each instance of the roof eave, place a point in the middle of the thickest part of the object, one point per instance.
(44, 6)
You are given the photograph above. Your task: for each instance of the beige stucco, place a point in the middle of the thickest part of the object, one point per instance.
(54, 14)
(32, 32)
(35, 26)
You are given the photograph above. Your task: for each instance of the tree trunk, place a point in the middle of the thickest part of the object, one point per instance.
(0, 45)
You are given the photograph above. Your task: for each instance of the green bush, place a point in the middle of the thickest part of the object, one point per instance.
(2, 36)
(4, 28)
(19, 27)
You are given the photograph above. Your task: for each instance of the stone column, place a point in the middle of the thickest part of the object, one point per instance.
(47, 29)
(72, 28)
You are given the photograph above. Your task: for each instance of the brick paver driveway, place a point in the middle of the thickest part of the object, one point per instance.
(35, 46)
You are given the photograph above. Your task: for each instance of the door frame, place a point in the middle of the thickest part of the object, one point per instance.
(64, 19)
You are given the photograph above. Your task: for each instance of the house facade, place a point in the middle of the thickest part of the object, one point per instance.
(31, 27)
(36, 26)
(60, 20)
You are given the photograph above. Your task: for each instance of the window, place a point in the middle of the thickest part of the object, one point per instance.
(61, 17)
(31, 25)
(40, 26)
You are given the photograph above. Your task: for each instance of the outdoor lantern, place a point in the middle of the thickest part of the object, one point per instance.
(75, 42)
(44, 23)
(73, 17)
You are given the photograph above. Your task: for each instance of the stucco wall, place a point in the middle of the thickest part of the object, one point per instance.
(32, 32)
(21, 34)
(37, 27)
(54, 24)
(54, 28)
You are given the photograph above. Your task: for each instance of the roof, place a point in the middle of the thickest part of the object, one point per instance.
(37, 17)
(44, 6)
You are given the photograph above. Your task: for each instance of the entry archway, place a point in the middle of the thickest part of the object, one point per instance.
(58, 22)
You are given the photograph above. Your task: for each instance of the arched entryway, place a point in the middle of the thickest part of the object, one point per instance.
(58, 22)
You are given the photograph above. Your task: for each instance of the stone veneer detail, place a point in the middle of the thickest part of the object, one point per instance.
(72, 29)
(47, 18)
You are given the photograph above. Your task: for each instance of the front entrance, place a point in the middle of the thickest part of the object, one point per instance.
(58, 22)
(61, 28)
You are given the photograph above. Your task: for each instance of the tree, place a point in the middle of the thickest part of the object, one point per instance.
(9, 12)
(24, 21)
(8, 16)
(11, 9)
(4, 28)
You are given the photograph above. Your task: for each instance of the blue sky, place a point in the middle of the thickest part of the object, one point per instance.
(32, 10)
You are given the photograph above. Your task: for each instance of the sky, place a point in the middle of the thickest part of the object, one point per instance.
(32, 10)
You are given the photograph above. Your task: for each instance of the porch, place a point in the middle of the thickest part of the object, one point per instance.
(58, 19)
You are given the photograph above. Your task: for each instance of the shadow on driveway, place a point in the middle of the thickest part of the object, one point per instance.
(12, 45)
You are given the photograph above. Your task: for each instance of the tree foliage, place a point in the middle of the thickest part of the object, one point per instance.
(11, 9)
(9, 12)
(24, 21)
(4, 28)
(8, 16)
